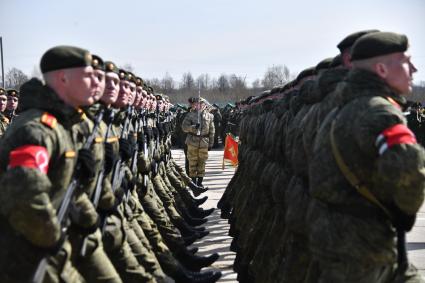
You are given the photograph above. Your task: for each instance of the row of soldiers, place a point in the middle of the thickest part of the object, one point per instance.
(89, 189)
(9, 100)
(330, 177)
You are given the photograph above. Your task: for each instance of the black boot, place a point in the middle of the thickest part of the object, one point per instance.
(199, 183)
(195, 188)
(200, 201)
(194, 262)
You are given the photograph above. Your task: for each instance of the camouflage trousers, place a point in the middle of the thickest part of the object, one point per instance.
(197, 158)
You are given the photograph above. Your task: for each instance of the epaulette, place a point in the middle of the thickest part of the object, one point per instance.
(49, 120)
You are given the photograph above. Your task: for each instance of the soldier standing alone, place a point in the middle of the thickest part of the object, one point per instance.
(199, 125)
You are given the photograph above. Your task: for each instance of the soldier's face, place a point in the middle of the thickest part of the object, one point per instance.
(124, 93)
(138, 99)
(12, 103)
(81, 85)
(112, 87)
(132, 94)
(144, 99)
(400, 73)
(3, 102)
(100, 76)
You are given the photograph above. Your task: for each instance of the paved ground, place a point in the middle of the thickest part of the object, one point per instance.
(219, 241)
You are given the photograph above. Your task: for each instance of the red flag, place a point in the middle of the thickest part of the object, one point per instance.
(230, 150)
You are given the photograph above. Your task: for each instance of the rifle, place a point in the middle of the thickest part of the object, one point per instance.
(117, 170)
(63, 211)
(99, 183)
(133, 166)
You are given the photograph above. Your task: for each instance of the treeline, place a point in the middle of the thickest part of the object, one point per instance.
(225, 88)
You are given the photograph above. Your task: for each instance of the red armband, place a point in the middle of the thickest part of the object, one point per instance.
(30, 156)
(397, 134)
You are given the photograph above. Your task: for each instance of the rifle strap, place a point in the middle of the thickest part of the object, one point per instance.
(351, 177)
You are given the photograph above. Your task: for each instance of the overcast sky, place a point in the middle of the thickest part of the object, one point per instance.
(214, 36)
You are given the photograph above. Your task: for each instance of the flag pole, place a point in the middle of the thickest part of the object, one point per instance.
(225, 146)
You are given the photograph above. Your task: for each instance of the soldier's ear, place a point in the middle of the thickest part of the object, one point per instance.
(381, 70)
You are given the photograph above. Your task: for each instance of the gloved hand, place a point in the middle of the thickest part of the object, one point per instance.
(197, 125)
(125, 149)
(85, 164)
(57, 247)
(110, 158)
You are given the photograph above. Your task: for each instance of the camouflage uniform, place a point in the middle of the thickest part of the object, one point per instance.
(197, 146)
(4, 123)
(94, 265)
(36, 163)
(339, 215)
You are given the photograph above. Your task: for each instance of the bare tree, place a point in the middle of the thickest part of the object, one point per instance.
(14, 78)
(276, 75)
(223, 83)
(203, 81)
(187, 81)
(256, 84)
(167, 83)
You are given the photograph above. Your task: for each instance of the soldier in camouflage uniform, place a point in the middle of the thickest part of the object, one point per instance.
(373, 182)
(37, 162)
(199, 140)
(4, 121)
(12, 103)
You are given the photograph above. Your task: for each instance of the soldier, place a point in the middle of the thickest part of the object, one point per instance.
(199, 125)
(12, 103)
(37, 163)
(367, 171)
(4, 121)
(217, 123)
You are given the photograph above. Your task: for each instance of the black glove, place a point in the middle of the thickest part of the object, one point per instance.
(197, 125)
(85, 164)
(125, 149)
(109, 158)
(57, 247)
(209, 148)
(86, 230)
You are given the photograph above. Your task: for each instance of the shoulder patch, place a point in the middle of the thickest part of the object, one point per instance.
(49, 120)
(30, 156)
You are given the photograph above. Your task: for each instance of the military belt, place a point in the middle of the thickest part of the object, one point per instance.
(199, 136)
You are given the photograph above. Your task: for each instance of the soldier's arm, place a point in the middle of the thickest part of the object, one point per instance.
(400, 162)
(187, 125)
(24, 198)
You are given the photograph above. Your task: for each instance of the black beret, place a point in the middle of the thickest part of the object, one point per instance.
(158, 96)
(111, 67)
(150, 89)
(305, 73)
(139, 81)
(12, 92)
(324, 64)
(2, 91)
(191, 99)
(97, 63)
(378, 44)
(336, 62)
(64, 57)
(131, 77)
(349, 40)
(123, 75)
